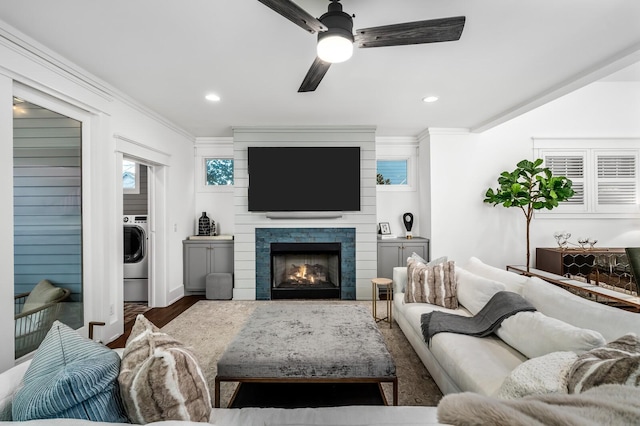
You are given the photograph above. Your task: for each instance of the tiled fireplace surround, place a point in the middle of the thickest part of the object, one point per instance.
(266, 236)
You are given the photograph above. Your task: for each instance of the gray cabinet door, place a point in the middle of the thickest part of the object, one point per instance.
(420, 248)
(201, 258)
(387, 259)
(221, 259)
(394, 252)
(196, 266)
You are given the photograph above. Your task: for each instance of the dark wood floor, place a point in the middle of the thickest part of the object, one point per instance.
(159, 316)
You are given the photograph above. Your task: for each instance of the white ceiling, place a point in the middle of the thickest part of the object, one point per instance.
(167, 54)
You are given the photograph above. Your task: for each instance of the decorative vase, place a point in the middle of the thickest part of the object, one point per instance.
(204, 225)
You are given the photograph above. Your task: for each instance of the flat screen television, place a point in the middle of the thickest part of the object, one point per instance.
(299, 179)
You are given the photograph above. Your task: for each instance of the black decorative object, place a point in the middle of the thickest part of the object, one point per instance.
(204, 225)
(407, 218)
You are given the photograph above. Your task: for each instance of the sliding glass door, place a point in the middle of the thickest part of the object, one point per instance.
(47, 186)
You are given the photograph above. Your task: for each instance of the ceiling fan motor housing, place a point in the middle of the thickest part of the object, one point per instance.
(337, 22)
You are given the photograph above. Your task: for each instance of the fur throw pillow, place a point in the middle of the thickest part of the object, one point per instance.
(434, 284)
(160, 378)
(617, 362)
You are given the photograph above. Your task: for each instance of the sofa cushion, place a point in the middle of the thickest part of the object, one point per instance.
(512, 281)
(617, 362)
(475, 364)
(160, 378)
(70, 377)
(475, 291)
(542, 375)
(535, 334)
(557, 302)
(10, 382)
(435, 284)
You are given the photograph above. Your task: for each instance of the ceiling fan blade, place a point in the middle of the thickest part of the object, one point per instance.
(314, 76)
(430, 31)
(295, 14)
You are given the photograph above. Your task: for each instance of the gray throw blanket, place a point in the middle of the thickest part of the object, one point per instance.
(602, 405)
(502, 305)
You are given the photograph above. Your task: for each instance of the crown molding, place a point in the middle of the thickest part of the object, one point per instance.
(39, 54)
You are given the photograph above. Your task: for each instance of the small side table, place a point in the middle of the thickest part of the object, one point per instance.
(377, 283)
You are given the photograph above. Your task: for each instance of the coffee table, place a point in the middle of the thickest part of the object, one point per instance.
(289, 342)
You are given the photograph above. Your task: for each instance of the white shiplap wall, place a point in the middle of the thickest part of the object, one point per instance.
(363, 221)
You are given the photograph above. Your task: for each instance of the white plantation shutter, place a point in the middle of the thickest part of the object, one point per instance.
(570, 166)
(617, 179)
(605, 175)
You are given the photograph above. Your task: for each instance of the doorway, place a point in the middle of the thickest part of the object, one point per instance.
(157, 163)
(136, 247)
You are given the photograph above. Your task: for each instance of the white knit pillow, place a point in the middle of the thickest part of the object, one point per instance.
(539, 376)
(160, 378)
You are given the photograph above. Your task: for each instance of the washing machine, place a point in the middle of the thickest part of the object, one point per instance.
(136, 258)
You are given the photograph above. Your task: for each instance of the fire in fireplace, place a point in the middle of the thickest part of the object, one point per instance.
(305, 270)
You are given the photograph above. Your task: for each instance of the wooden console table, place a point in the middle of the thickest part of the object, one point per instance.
(603, 265)
(628, 301)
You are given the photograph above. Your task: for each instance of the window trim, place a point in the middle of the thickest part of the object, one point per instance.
(591, 149)
(212, 148)
(411, 173)
(204, 170)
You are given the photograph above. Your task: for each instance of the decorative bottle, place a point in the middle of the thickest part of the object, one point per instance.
(204, 225)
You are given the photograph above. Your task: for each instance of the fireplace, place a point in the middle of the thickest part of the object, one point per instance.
(305, 270)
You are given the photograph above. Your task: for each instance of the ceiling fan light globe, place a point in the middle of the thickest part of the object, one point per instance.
(335, 49)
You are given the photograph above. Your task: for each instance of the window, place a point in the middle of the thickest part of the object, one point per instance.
(130, 173)
(605, 175)
(392, 172)
(218, 171)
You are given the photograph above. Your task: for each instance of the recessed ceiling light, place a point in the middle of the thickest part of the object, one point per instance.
(429, 99)
(212, 97)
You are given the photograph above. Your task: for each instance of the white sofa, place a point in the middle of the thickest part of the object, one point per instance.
(460, 363)
(12, 380)
(351, 415)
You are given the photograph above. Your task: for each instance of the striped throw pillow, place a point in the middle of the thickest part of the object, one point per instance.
(70, 377)
(617, 362)
(434, 284)
(160, 378)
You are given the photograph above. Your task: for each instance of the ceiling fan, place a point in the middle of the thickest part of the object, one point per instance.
(336, 38)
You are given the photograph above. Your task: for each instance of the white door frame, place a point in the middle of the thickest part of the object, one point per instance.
(90, 121)
(157, 163)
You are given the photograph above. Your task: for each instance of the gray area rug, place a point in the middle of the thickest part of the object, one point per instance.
(209, 326)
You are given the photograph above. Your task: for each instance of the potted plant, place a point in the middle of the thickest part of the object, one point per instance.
(530, 187)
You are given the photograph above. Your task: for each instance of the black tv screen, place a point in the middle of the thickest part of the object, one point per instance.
(304, 179)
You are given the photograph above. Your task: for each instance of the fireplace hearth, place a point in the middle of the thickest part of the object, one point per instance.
(305, 270)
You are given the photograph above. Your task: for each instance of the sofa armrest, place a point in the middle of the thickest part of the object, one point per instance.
(10, 382)
(399, 279)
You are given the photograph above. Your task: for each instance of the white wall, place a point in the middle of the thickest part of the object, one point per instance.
(394, 201)
(463, 166)
(217, 202)
(112, 114)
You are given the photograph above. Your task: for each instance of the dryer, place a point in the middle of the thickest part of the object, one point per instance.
(136, 258)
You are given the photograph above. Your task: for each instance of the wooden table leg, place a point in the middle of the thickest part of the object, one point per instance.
(395, 391)
(216, 391)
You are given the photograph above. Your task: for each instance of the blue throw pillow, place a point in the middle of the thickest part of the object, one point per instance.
(70, 377)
